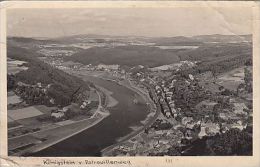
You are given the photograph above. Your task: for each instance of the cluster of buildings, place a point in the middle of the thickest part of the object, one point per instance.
(175, 66)
(209, 113)
(107, 67)
(149, 143)
(72, 110)
(52, 52)
(195, 112)
(63, 113)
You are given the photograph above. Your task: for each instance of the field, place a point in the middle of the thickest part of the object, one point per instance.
(236, 75)
(23, 142)
(15, 66)
(44, 109)
(24, 113)
(232, 79)
(93, 96)
(13, 99)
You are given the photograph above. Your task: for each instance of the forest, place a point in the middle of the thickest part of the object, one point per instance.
(63, 84)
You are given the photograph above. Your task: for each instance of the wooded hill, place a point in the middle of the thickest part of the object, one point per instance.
(64, 86)
(218, 58)
(125, 55)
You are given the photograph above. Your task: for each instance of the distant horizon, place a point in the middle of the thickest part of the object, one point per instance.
(135, 22)
(127, 36)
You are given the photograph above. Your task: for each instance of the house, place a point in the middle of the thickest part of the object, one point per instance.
(225, 127)
(172, 105)
(109, 67)
(161, 100)
(52, 101)
(239, 125)
(57, 115)
(157, 87)
(187, 82)
(163, 141)
(171, 102)
(202, 132)
(190, 125)
(165, 89)
(44, 90)
(191, 77)
(168, 114)
(23, 84)
(123, 71)
(223, 116)
(39, 84)
(85, 103)
(185, 120)
(239, 108)
(159, 132)
(211, 128)
(129, 145)
(168, 98)
(65, 109)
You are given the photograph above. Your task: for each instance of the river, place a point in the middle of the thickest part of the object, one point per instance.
(122, 116)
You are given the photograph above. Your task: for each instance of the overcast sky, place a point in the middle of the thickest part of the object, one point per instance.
(129, 22)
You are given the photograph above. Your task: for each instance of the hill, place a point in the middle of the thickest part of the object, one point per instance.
(25, 40)
(63, 86)
(211, 52)
(201, 39)
(179, 40)
(223, 38)
(218, 58)
(125, 55)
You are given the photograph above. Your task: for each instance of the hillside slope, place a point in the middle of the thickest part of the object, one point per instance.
(218, 58)
(63, 86)
(125, 55)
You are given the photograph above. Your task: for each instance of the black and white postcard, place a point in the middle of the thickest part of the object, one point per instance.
(127, 83)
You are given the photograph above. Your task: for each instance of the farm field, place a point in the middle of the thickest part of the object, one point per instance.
(13, 99)
(15, 66)
(24, 113)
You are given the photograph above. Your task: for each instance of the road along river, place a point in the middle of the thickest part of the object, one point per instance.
(117, 125)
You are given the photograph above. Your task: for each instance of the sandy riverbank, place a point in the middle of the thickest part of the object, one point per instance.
(110, 101)
(151, 117)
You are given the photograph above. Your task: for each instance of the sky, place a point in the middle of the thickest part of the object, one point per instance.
(150, 22)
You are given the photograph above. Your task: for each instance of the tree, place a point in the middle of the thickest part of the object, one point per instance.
(233, 142)
(174, 151)
(10, 82)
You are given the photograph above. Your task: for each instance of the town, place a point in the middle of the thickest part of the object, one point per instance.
(191, 107)
(182, 107)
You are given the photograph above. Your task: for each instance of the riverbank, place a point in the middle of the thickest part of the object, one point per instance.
(123, 116)
(148, 121)
(78, 127)
(62, 132)
(128, 84)
(110, 101)
(150, 118)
